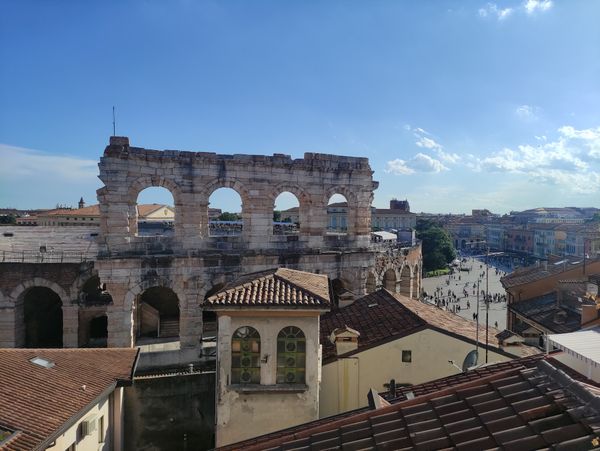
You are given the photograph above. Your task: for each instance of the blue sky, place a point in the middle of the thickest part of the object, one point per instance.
(457, 104)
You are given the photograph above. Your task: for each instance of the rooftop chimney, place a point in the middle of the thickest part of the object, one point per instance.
(345, 340)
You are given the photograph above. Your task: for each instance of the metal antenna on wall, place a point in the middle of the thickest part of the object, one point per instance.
(114, 123)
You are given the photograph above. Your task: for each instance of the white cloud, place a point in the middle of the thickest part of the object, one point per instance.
(533, 6)
(419, 163)
(569, 161)
(528, 112)
(492, 10)
(18, 162)
(429, 143)
(34, 179)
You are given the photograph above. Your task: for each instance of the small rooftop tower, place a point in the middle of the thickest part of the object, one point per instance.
(81, 203)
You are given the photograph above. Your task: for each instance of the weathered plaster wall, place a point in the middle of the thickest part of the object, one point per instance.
(346, 382)
(268, 409)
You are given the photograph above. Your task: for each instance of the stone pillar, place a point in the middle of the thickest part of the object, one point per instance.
(70, 313)
(190, 318)
(8, 327)
(316, 219)
(200, 218)
(132, 217)
(119, 316)
(258, 221)
(120, 328)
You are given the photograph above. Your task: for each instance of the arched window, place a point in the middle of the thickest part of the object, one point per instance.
(225, 213)
(286, 214)
(155, 212)
(245, 356)
(337, 214)
(291, 356)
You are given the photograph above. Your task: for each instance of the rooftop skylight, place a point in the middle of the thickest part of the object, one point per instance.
(42, 362)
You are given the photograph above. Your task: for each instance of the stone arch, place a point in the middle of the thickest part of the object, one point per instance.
(406, 278)
(345, 191)
(371, 282)
(351, 208)
(141, 184)
(304, 202)
(40, 323)
(239, 189)
(235, 185)
(152, 283)
(39, 282)
(390, 279)
(163, 320)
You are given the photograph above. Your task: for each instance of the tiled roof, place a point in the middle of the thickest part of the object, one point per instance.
(519, 408)
(282, 288)
(378, 317)
(534, 273)
(36, 401)
(542, 310)
(383, 316)
(445, 321)
(505, 334)
(146, 209)
(94, 210)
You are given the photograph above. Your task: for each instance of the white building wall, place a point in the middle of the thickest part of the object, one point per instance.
(347, 381)
(100, 439)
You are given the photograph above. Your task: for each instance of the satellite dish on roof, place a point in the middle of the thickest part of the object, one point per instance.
(470, 360)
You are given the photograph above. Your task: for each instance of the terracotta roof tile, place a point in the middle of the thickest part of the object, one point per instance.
(529, 406)
(543, 310)
(378, 317)
(281, 287)
(38, 405)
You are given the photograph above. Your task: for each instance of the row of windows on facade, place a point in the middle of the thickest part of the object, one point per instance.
(246, 356)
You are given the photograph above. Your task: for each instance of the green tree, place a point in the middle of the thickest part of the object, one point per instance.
(437, 246)
(227, 216)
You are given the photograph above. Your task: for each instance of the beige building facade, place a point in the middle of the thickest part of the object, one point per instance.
(268, 352)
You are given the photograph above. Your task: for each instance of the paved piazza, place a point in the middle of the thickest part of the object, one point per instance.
(464, 280)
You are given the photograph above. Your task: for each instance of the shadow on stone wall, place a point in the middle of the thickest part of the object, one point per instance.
(170, 413)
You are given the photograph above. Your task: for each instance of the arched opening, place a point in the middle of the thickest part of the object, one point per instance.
(94, 293)
(155, 212)
(291, 356)
(371, 284)
(225, 213)
(157, 314)
(405, 282)
(245, 356)
(337, 215)
(463, 244)
(389, 280)
(286, 214)
(98, 332)
(43, 318)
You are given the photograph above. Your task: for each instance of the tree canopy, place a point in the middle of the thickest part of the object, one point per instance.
(437, 246)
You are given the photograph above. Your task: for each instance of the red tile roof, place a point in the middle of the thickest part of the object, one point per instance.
(378, 317)
(281, 288)
(94, 210)
(383, 316)
(401, 395)
(36, 401)
(516, 408)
